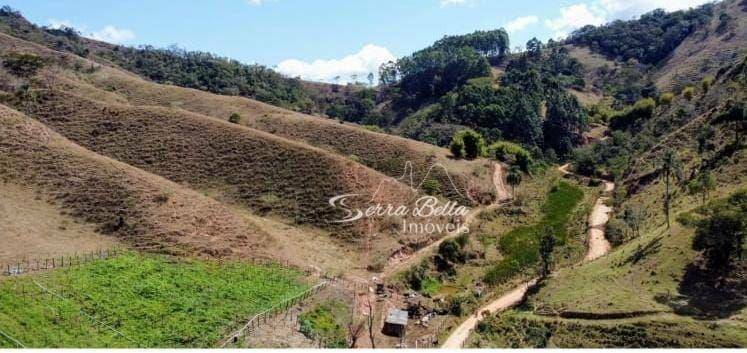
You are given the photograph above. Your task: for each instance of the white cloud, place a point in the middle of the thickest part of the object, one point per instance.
(520, 23)
(627, 9)
(574, 17)
(365, 61)
(109, 33)
(112, 34)
(59, 24)
(447, 3)
(255, 2)
(598, 12)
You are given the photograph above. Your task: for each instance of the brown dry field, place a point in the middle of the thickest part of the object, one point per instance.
(143, 210)
(31, 228)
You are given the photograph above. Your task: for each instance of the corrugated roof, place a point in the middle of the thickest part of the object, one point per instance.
(396, 316)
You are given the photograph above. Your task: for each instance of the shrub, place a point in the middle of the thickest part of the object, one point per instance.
(431, 187)
(468, 144)
(22, 64)
(641, 110)
(511, 153)
(234, 118)
(457, 148)
(322, 322)
(707, 83)
(615, 231)
(666, 98)
(688, 93)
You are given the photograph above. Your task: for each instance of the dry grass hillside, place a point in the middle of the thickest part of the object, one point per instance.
(266, 173)
(261, 172)
(142, 209)
(702, 53)
(382, 152)
(385, 153)
(32, 228)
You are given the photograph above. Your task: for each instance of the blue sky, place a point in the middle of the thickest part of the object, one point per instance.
(320, 39)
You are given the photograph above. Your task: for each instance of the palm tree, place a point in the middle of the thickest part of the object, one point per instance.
(513, 178)
(670, 167)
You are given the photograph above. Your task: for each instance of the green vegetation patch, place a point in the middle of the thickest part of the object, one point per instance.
(153, 301)
(520, 246)
(517, 329)
(326, 322)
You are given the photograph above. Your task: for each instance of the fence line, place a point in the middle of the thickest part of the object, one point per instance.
(17, 342)
(262, 317)
(91, 317)
(28, 265)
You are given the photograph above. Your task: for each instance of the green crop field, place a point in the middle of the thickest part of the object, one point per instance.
(136, 300)
(520, 246)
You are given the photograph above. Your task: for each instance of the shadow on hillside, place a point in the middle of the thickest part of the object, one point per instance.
(707, 295)
(640, 253)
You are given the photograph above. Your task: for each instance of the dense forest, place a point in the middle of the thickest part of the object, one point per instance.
(648, 39)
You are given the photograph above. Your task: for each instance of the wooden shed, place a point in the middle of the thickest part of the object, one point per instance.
(395, 323)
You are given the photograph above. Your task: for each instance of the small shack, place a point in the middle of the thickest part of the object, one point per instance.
(395, 323)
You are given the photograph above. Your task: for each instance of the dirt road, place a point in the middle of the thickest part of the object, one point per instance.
(600, 214)
(502, 195)
(598, 246)
(459, 336)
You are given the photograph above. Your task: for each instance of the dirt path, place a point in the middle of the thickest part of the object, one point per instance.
(460, 335)
(598, 246)
(502, 195)
(600, 214)
(501, 191)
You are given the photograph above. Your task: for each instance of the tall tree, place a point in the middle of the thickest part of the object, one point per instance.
(513, 179)
(721, 236)
(547, 245)
(703, 183)
(670, 168)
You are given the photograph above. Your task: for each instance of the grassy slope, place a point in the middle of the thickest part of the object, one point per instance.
(261, 171)
(705, 51)
(385, 153)
(31, 228)
(212, 163)
(156, 214)
(154, 301)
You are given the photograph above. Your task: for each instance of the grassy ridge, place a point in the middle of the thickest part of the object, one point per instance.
(153, 300)
(520, 246)
(518, 329)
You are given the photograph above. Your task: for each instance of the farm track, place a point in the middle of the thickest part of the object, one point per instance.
(598, 246)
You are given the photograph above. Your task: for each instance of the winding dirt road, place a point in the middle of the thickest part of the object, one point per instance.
(600, 215)
(598, 246)
(502, 195)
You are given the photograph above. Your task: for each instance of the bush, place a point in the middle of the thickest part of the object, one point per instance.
(468, 144)
(457, 148)
(323, 322)
(666, 98)
(234, 118)
(431, 187)
(641, 110)
(688, 93)
(707, 83)
(511, 153)
(22, 64)
(615, 232)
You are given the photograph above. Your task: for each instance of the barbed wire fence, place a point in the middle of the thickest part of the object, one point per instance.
(11, 339)
(19, 267)
(283, 309)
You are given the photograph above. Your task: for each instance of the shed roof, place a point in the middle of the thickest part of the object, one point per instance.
(396, 316)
